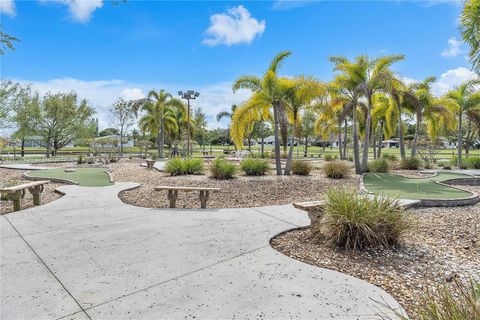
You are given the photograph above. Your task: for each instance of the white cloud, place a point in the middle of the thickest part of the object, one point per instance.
(454, 48)
(102, 94)
(80, 10)
(290, 4)
(7, 7)
(450, 79)
(233, 27)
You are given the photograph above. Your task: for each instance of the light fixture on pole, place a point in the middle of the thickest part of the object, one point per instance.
(188, 95)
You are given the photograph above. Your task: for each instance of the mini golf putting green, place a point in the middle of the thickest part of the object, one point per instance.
(415, 188)
(85, 177)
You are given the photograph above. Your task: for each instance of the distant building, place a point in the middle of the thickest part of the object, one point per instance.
(390, 143)
(36, 142)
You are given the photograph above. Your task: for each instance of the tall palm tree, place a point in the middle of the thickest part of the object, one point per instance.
(269, 92)
(364, 77)
(465, 98)
(384, 119)
(470, 29)
(159, 110)
(227, 114)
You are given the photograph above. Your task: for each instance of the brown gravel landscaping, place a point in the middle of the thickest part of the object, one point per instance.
(10, 175)
(240, 192)
(444, 244)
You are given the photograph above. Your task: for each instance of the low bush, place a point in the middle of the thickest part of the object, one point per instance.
(336, 169)
(412, 163)
(389, 157)
(379, 165)
(153, 155)
(302, 168)
(254, 167)
(473, 162)
(222, 169)
(465, 162)
(80, 160)
(350, 158)
(355, 222)
(178, 166)
(330, 157)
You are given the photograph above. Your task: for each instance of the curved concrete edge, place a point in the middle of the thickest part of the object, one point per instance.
(23, 166)
(473, 199)
(28, 177)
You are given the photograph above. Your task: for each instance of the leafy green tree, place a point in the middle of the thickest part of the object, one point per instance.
(10, 93)
(108, 132)
(199, 126)
(307, 129)
(24, 115)
(269, 92)
(6, 41)
(58, 118)
(124, 113)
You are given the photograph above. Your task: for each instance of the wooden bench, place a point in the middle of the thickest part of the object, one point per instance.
(150, 163)
(313, 208)
(17, 193)
(173, 193)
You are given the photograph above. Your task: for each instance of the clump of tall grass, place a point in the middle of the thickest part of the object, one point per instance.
(356, 222)
(254, 167)
(178, 166)
(300, 167)
(336, 169)
(412, 163)
(379, 165)
(222, 169)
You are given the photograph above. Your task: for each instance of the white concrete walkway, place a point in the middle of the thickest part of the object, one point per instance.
(90, 256)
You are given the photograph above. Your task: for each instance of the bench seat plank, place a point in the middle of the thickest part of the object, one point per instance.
(309, 205)
(13, 189)
(187, 188)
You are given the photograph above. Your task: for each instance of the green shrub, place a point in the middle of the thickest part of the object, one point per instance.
(350, 158)
(283, 155)
(357, 222)
(330, 157)
(254, 167)
(223, 169)
(336, 169)
(473, 162)
(412, 163)
(80, 160)
(153, 155)
(464, 165)
(302, 168)
(178, 166)
(389, 157)
(379, 165)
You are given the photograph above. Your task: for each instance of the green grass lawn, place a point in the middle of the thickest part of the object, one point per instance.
(414, 188)
(85, 177)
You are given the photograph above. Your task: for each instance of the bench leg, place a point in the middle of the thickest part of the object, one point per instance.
(16, 197)
(36, 191)
(204, 198)
(172, 196)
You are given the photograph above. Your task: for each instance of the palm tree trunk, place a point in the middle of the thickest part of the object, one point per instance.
(340, 153)
(367, 135)
(162, 139)
(159, 147)
(459, 141)
(468, 139)
(345, 139)
(415, 137)
(374, 143)
(278, 164)
(380, 141)
(288, 167)
(401, 144)
(356, 149)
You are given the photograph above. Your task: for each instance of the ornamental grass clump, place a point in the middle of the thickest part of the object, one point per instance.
(177, 166)
(301, 168)
(356, 222)
(222, 169)
(336, 169)
(412, 163)
(254, 167)
(379, 165)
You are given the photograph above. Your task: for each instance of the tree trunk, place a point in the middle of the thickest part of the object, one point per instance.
(288, 167)
(459, 141)
(278, 164)
(162, 139)
(380, 141)
(159, 147)
(23, 147)
(400, 132)
(345, 139)
(368, 128)
(468, 139)
(415, 138)
(374, 135)
(340, 153)
(121, 140)
(306, 147)
(356, 149)
(262, 148)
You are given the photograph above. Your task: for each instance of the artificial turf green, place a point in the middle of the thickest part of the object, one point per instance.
(85, 177)
(414, 188)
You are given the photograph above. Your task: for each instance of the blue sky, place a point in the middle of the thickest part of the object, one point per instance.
(106, 51)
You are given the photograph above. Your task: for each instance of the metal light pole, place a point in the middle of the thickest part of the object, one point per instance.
(188, 95)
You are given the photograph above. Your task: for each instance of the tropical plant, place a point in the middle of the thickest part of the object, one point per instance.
(222, 169)
(254, 167)
(465, 97)
(356, 222)
(470, 29)
(384, 120)
(379, 165)
(336, 169)
(412, 163)
(268, 92)
(301, 168)
(178, 166)
(160, 116)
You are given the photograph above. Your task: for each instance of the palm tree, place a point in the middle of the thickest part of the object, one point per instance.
(268, 92)
(420, 101)
(159, 115)
(365, 77)
(227, 114)
(470, 29)
(384, 118)
(465, 98)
